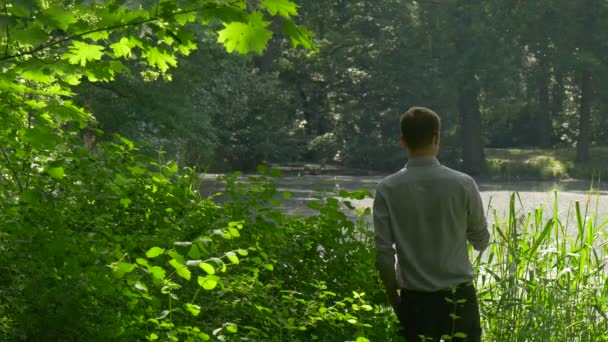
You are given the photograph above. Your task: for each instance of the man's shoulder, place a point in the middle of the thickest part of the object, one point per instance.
(392, 179)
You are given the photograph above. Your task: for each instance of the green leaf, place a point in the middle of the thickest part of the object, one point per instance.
(58, 17)
(284, 8)
(185, 18)
(299, 35)
(56, 172)
(269, 267)
(361, 339)
(160, 59)
(96, 36)
(122, 268)
(242, 252)
(81, 53)
(154, 252)
(122, 48)
(234, 232)
(33, 35)
(286, 195)
(232, 328)
(125, 202)
(142, 262)
(232, 257)
(209, 282)
(194, 309)
(181, 269)
(207, 267)
(157, 272)
(245, 37)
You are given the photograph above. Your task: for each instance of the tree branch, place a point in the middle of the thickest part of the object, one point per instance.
(10, 167)
(108, 28)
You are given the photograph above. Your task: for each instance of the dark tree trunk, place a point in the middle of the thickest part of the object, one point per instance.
(472, 148)
(545, 121)
(557, 95)
(583, 142)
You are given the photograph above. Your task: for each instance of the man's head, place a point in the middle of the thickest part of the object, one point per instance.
(420, 129)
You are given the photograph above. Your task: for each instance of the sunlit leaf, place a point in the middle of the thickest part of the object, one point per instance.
(154, 252)
(81, 53)
(207, 268)
(232, 257)
(284, 8)
(244, 37)
(160, 59)
(56, 172)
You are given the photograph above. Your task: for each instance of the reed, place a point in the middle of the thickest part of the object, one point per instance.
(543, 276)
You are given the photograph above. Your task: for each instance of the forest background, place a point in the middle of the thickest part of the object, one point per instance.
(110, 111)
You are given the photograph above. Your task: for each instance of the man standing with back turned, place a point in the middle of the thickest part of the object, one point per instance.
(425, 214)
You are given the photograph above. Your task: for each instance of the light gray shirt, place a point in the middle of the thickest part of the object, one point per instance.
(425, 214)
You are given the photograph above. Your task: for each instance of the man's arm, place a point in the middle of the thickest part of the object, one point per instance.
(385, 260)
(477, 227)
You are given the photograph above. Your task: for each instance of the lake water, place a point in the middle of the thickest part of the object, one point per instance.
(495, 194)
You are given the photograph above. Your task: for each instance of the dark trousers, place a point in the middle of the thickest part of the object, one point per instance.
(452, 312)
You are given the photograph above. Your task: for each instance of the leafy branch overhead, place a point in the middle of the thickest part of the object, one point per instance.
(48, 47)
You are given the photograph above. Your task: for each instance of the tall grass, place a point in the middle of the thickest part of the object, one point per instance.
(543, 277)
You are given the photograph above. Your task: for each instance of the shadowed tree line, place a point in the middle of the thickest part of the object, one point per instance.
(501, 73)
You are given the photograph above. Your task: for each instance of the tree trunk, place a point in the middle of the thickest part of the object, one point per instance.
(557, 95)
(545, 121)
(583, 142)
(468, 105)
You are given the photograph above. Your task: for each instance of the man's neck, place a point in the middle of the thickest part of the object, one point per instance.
(423, 154)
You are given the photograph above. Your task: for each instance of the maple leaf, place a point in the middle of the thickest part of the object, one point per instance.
(284, 8)
(160, 59)
(299, 35)
(81, 53)
(244, 37)
(122, 48)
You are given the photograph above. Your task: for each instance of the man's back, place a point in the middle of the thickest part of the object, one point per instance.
(429, 211)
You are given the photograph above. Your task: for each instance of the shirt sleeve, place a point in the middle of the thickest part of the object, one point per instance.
(477, 227)
(383, 235)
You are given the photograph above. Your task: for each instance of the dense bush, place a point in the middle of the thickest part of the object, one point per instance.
(122, 247)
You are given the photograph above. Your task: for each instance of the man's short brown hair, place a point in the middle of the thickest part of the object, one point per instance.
(418, 127)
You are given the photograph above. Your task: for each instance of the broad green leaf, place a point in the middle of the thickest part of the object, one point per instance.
(232, 257)
(242, 252)
(361, 339)
(33, 35)
(234, 232)
(299, 35)
(142, 262)
(121, 268)
(207, 267)
(193, 308)
(82, 53)
(58, 17)
(209, 282)
(232, 328)
(154, 252)
(181, 269)
(185, 18)
(160, 59)
(56, 172)
(284, 8)
(141, 287)
(157, 272)
(244, 37)
(125, 202)
(122, 48)
(96, 36)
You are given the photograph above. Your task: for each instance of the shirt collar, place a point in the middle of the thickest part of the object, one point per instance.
(422, 162)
